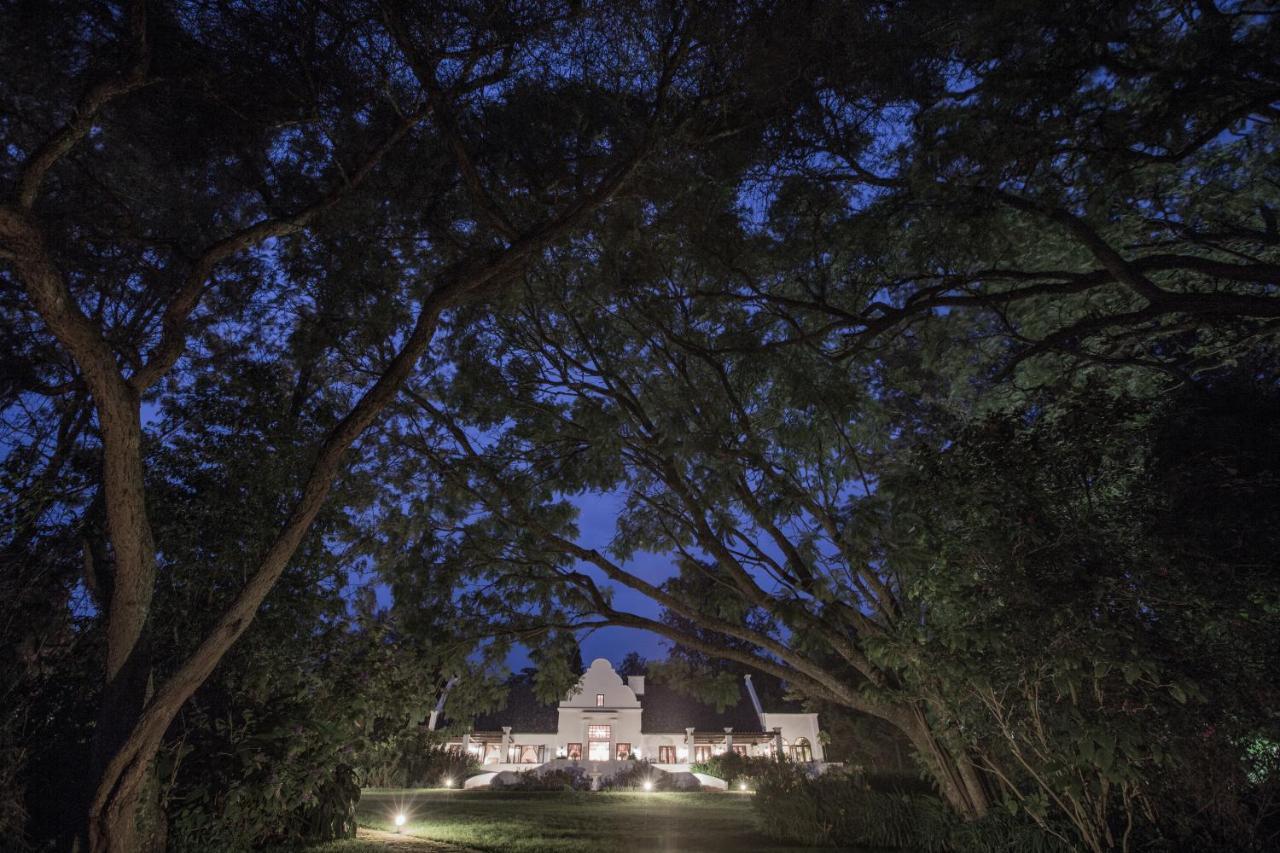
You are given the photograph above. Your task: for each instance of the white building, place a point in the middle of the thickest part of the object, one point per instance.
(607, 719)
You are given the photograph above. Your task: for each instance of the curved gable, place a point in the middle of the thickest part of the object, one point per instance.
(600, 678)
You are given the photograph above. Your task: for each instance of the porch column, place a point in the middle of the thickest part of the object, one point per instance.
(728, 739)
(777, 742)
(688, 745)
(466, 745)
(507, 741)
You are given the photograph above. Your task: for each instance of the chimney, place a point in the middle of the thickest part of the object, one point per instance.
(755, 700)
(439, 709)
(636, 683)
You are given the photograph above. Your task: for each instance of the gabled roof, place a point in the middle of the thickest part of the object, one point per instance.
(664, 709)
(523, 712)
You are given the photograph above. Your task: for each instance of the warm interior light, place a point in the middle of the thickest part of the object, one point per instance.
(648, 786)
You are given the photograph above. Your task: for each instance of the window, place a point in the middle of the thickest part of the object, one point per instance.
(598, 750)
(599, 732)
(740, 748)
(599, 700)
(529, 754)
(493, 753)
(801, 751)
(702, 752)
(666, 755)
(575, 751)
(622, 752)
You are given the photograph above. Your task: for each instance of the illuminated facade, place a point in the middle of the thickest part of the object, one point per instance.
(607, 718)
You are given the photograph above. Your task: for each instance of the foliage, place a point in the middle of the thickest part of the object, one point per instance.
(734, 768)
(417, 759)
(276, 760)
(835, 809)
(634, 777)
(1035, 525)
(572, 778)
(931, 345)
(294, 194)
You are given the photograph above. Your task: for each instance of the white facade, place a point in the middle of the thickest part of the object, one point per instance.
(603, 719)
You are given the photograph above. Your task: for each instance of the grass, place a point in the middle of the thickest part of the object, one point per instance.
(542, 822)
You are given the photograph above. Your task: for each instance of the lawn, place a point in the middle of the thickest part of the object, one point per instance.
(573, 822)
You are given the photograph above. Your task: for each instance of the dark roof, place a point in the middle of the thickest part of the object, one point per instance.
(523, 712)
(664, 709)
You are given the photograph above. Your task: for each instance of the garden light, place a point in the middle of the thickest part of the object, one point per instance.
(648, 786)
(742, 786)
(400, 822)
(448, 783)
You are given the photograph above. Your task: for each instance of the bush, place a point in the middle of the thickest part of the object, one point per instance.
(634, 777)
(732, 767)
(841, 810)
(566, 779)
(418, 761)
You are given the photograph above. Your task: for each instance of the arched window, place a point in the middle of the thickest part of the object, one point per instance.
(801, 751)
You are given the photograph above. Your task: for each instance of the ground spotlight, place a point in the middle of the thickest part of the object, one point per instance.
(448, 783)
(648, 786)
(742, 786)
(400, 822)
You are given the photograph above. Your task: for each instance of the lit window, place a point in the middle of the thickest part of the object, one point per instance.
(599, 700)
(599, 732)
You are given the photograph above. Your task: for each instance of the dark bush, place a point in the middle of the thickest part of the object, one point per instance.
(634, 777)
(732, 767)
(419, 761)
(333, 814)
(566, 779)
(839, 809)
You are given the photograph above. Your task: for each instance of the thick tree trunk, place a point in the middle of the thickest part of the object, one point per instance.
(122, 702)
(958, 780)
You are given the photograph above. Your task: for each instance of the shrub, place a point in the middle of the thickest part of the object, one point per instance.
(562, 779)
(733, 767)
(419, 761)
(840, 809)
(634, 777)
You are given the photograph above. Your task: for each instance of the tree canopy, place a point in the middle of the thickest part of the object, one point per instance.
(932, 345)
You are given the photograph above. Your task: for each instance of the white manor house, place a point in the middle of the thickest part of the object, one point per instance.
(608, 719)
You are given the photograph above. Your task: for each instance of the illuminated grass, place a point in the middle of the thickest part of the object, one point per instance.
(528, 822)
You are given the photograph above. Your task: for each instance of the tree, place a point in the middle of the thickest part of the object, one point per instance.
(743, 377)
(1101, 608)
(180, 178)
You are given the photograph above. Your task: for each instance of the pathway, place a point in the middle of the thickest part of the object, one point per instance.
(407, 843)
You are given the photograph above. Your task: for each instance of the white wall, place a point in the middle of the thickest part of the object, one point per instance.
(620, 711)
(795, 726)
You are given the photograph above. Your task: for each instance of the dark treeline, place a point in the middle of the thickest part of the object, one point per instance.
(932, 343)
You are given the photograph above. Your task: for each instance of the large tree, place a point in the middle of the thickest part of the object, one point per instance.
(1015, 198)
(321, 183)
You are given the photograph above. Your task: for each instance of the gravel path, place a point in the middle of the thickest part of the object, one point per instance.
(407, 843)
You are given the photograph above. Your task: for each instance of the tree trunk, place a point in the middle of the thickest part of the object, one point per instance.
(118, 715)
(957, 778)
